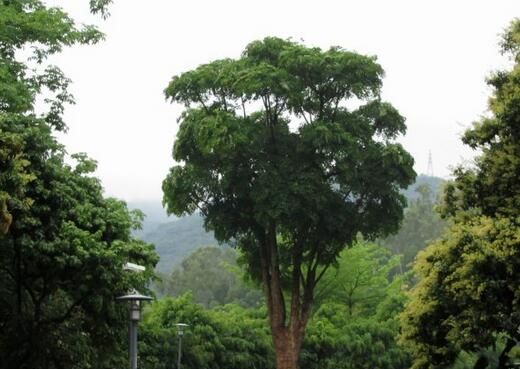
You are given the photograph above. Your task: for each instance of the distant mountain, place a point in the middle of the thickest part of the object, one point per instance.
(177, 239)
(435, 183)
(174, 240)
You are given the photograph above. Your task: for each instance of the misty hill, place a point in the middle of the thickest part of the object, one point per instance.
(175, 239)
(155, 215)
(435, 183)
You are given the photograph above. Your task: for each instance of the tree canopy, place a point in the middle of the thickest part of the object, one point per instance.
(289, 153)
(30, 25)
(467, 297)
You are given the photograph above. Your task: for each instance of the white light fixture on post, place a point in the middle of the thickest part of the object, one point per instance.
(180, 333)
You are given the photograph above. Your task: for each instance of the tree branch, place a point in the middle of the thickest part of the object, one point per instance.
(243, 106)
(279, 308)
(296, 288)
(199, 98)
(322, 273)
(66, 315)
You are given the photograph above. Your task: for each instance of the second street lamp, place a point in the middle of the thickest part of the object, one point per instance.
(135, 299)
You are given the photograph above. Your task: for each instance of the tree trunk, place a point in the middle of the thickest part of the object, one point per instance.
(503, 358)
(287, 345)
(287, 330)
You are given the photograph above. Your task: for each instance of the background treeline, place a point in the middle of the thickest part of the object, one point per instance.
(354, 324)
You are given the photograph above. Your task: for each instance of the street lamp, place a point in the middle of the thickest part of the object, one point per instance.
(135, 299)
(180, 333)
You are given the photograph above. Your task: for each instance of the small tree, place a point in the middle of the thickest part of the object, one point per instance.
(278, 161)
(361, 280)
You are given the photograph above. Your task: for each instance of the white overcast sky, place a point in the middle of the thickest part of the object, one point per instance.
(436, 55)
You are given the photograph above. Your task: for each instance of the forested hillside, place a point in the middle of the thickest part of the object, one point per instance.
(434, 183)
(177, 239)
(154, 213)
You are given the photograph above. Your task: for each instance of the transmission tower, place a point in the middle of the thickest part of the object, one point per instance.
(429, 169)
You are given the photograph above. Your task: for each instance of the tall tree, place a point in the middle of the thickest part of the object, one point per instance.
(62, 244)
(62, 267)
(468, 294)
(278, 162)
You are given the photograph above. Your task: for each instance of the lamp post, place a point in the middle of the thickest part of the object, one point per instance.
(135, 299)
(180, 333)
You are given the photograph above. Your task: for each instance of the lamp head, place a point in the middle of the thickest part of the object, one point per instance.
(180, 328)
(136, 268)
(135, 299)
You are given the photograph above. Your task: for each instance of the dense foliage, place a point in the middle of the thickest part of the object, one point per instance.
(355, 323)
(276, 161)
(336, 341)
(230, 336)
(28, 24)
(468, 296)
(62, 244)
(360, 280)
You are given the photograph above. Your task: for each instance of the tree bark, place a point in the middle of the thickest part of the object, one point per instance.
(287, 327)
(287, 344)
